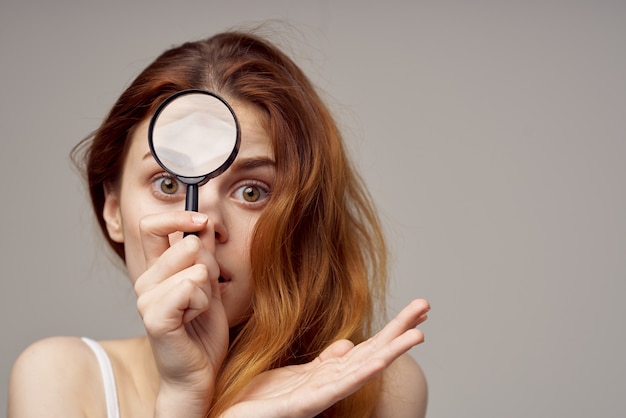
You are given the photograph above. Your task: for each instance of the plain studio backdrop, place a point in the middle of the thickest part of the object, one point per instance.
(492, 135)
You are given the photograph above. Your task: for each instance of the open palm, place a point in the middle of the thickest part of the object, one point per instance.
(305, 390)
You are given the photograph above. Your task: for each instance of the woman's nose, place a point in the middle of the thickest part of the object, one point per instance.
(211, 204)
(220, 232)
(215, 231)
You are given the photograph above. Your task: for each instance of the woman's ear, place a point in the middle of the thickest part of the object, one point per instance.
(111, 212)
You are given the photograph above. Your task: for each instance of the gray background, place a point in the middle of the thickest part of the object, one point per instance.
(491, 133)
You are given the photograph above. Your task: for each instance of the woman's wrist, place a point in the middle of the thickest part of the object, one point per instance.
(182, 402)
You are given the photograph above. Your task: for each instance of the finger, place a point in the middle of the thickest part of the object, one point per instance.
(182, 255)
(208, 237)
(159, 297)
(397, 337)
(356, 371)
(214, 274)
(168, 313)
(198, 273)
(336, 349)
(198, 303)
(409, 317)
(384, 343)
(400, 345)
(156, 228)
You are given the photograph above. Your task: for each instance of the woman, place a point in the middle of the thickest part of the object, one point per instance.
(258, 315)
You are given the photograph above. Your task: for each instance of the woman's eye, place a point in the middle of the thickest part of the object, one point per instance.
(167, 185)
(251, 193)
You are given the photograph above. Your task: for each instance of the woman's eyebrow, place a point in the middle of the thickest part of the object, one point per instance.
(246, 163)
(249, 163)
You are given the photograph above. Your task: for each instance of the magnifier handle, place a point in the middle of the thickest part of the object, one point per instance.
(191, 202)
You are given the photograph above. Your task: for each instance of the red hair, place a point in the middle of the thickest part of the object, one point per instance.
(318, 254)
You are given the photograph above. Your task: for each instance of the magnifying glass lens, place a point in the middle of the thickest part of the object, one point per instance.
(194, 134)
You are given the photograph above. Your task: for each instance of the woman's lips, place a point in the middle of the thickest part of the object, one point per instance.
(224, 276)
(223, 282)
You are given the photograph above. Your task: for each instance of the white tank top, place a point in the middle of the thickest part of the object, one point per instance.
(110, 391)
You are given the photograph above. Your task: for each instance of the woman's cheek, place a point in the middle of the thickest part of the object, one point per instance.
(135, 258)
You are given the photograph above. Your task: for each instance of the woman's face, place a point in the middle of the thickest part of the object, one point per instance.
(233, 201)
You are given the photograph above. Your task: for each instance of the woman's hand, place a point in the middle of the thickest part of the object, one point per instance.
(178, 297)
(305, 390)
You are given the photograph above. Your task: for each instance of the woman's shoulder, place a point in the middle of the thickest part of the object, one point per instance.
(61, 376)
(52, 376)
(54, 357)
(405, 393)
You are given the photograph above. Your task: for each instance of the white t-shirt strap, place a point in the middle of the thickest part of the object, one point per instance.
(110, 391)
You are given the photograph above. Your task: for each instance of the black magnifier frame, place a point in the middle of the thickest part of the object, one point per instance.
(197, 179)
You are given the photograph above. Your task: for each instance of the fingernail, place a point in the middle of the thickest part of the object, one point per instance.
(199, 218)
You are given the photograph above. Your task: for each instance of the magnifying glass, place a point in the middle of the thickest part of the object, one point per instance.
(194, 136)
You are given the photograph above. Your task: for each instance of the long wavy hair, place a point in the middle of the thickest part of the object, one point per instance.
(318, 254)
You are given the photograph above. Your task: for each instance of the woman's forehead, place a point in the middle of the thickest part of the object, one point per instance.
(254, 136)
(255, 140)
